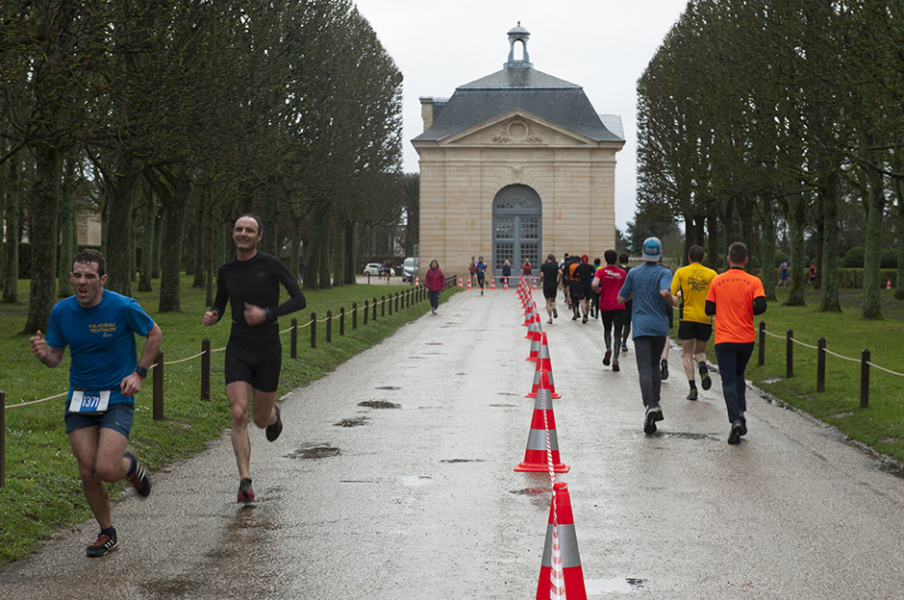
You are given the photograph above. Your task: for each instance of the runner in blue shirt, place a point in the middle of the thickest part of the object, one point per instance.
(99, 326)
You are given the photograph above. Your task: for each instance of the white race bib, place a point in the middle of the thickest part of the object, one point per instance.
(89, 402)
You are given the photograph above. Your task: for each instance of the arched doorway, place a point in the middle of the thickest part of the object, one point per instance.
(517, 217)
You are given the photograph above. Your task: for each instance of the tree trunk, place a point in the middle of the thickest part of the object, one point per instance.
(872, 256)
(899, 192)
(198, 239)
(350, 257)
(796, 221)
(827, 268)
(120, 192)
(11, 248)
(46, 204)
(68, 229)
(768, 249)
(174, 208)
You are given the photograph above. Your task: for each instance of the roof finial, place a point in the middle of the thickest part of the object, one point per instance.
(518, 34)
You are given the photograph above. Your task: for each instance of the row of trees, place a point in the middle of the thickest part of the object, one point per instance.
(758, 116)
(174, 117)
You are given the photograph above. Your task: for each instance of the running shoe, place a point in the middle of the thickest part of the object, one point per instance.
(555, 314)
(575, 318)
(607, 357)
(103, 545)
(705, 379)
(138, 479)
(653, 414)
(735, 436)
(274, 430)
(246, 493)
(743, 424)
(615, 366)
(624, 347)
(693, 394)
(664, 366)
(550, 320)
(585, 319)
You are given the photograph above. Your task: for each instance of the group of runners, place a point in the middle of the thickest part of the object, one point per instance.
(99, 327)
(646, 296)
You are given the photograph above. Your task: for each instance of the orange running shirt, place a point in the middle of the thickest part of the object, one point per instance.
(733, 292)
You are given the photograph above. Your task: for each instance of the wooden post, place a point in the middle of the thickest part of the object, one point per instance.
(762, 343)
(382, 307)
(158, 386)
(864, 378)
(821, 365)
(293, 337)
(205, 369)
(2, 438)
(355, 315)
(789, 354)
(341, 320)
(329, 326)
(366, 310)
(313, 330)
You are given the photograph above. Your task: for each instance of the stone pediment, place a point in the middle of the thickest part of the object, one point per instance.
(518, 128)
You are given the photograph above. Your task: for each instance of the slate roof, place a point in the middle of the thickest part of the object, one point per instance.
(537, 93)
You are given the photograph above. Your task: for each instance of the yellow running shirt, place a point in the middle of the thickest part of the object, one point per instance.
(693, 283)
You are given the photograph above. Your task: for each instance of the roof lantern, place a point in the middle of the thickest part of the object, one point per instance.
(518, 34)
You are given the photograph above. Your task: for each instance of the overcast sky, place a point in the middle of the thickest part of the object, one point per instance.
(601, 45)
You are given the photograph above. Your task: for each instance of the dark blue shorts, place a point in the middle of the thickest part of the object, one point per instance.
(117, 417)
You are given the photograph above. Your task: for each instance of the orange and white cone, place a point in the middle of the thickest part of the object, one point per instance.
(417, 281)
(460, 283)
(493, 284)
(561, 574)
(534, 335)
(544, 365)
(469, 283)
(888, 284)
(540, 457)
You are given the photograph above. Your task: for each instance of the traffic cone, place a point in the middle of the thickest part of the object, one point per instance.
(888, 285)
(505, 283)
(460, 283)
(544, 363)
(538, 375)
(534, 343)
(417, 281)
(493, 284)
(469, 283)
(561, 574)
(535, 456)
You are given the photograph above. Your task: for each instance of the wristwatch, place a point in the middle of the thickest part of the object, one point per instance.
(142, 371)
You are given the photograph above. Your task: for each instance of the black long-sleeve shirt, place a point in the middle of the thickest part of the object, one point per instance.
(256, 281)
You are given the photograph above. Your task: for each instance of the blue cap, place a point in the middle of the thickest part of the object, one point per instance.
(652, 249)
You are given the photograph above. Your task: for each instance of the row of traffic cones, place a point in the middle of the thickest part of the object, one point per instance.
(561, 573)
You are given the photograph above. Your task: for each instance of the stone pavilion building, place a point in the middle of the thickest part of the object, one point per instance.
(514, 166)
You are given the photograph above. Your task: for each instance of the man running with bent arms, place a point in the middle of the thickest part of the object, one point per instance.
(250, 282)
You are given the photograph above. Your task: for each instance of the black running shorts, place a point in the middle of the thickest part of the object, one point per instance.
(549, 292)
(692, 330)
(259, 367)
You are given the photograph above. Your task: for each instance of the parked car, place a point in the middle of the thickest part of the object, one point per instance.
(374, 269)
(409, 268)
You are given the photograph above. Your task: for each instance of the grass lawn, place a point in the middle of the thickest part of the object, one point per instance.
(881, 425)
(43, 490)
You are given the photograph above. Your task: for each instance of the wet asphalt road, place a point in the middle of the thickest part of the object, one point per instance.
(393, 479)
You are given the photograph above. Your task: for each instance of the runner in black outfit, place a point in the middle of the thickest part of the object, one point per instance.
(250, 283)
(549, 275)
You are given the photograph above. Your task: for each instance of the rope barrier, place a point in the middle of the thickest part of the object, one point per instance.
(827, 351)
(175, 362)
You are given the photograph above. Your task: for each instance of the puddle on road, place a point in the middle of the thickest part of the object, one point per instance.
(613, 586)
(502, 405)
(379, 404)
(461, 460)
(174, 588)
(315, 452)
(688, 436)
(388, 387)
(357, 422)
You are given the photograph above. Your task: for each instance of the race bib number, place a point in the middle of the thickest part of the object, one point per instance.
(89, 402)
